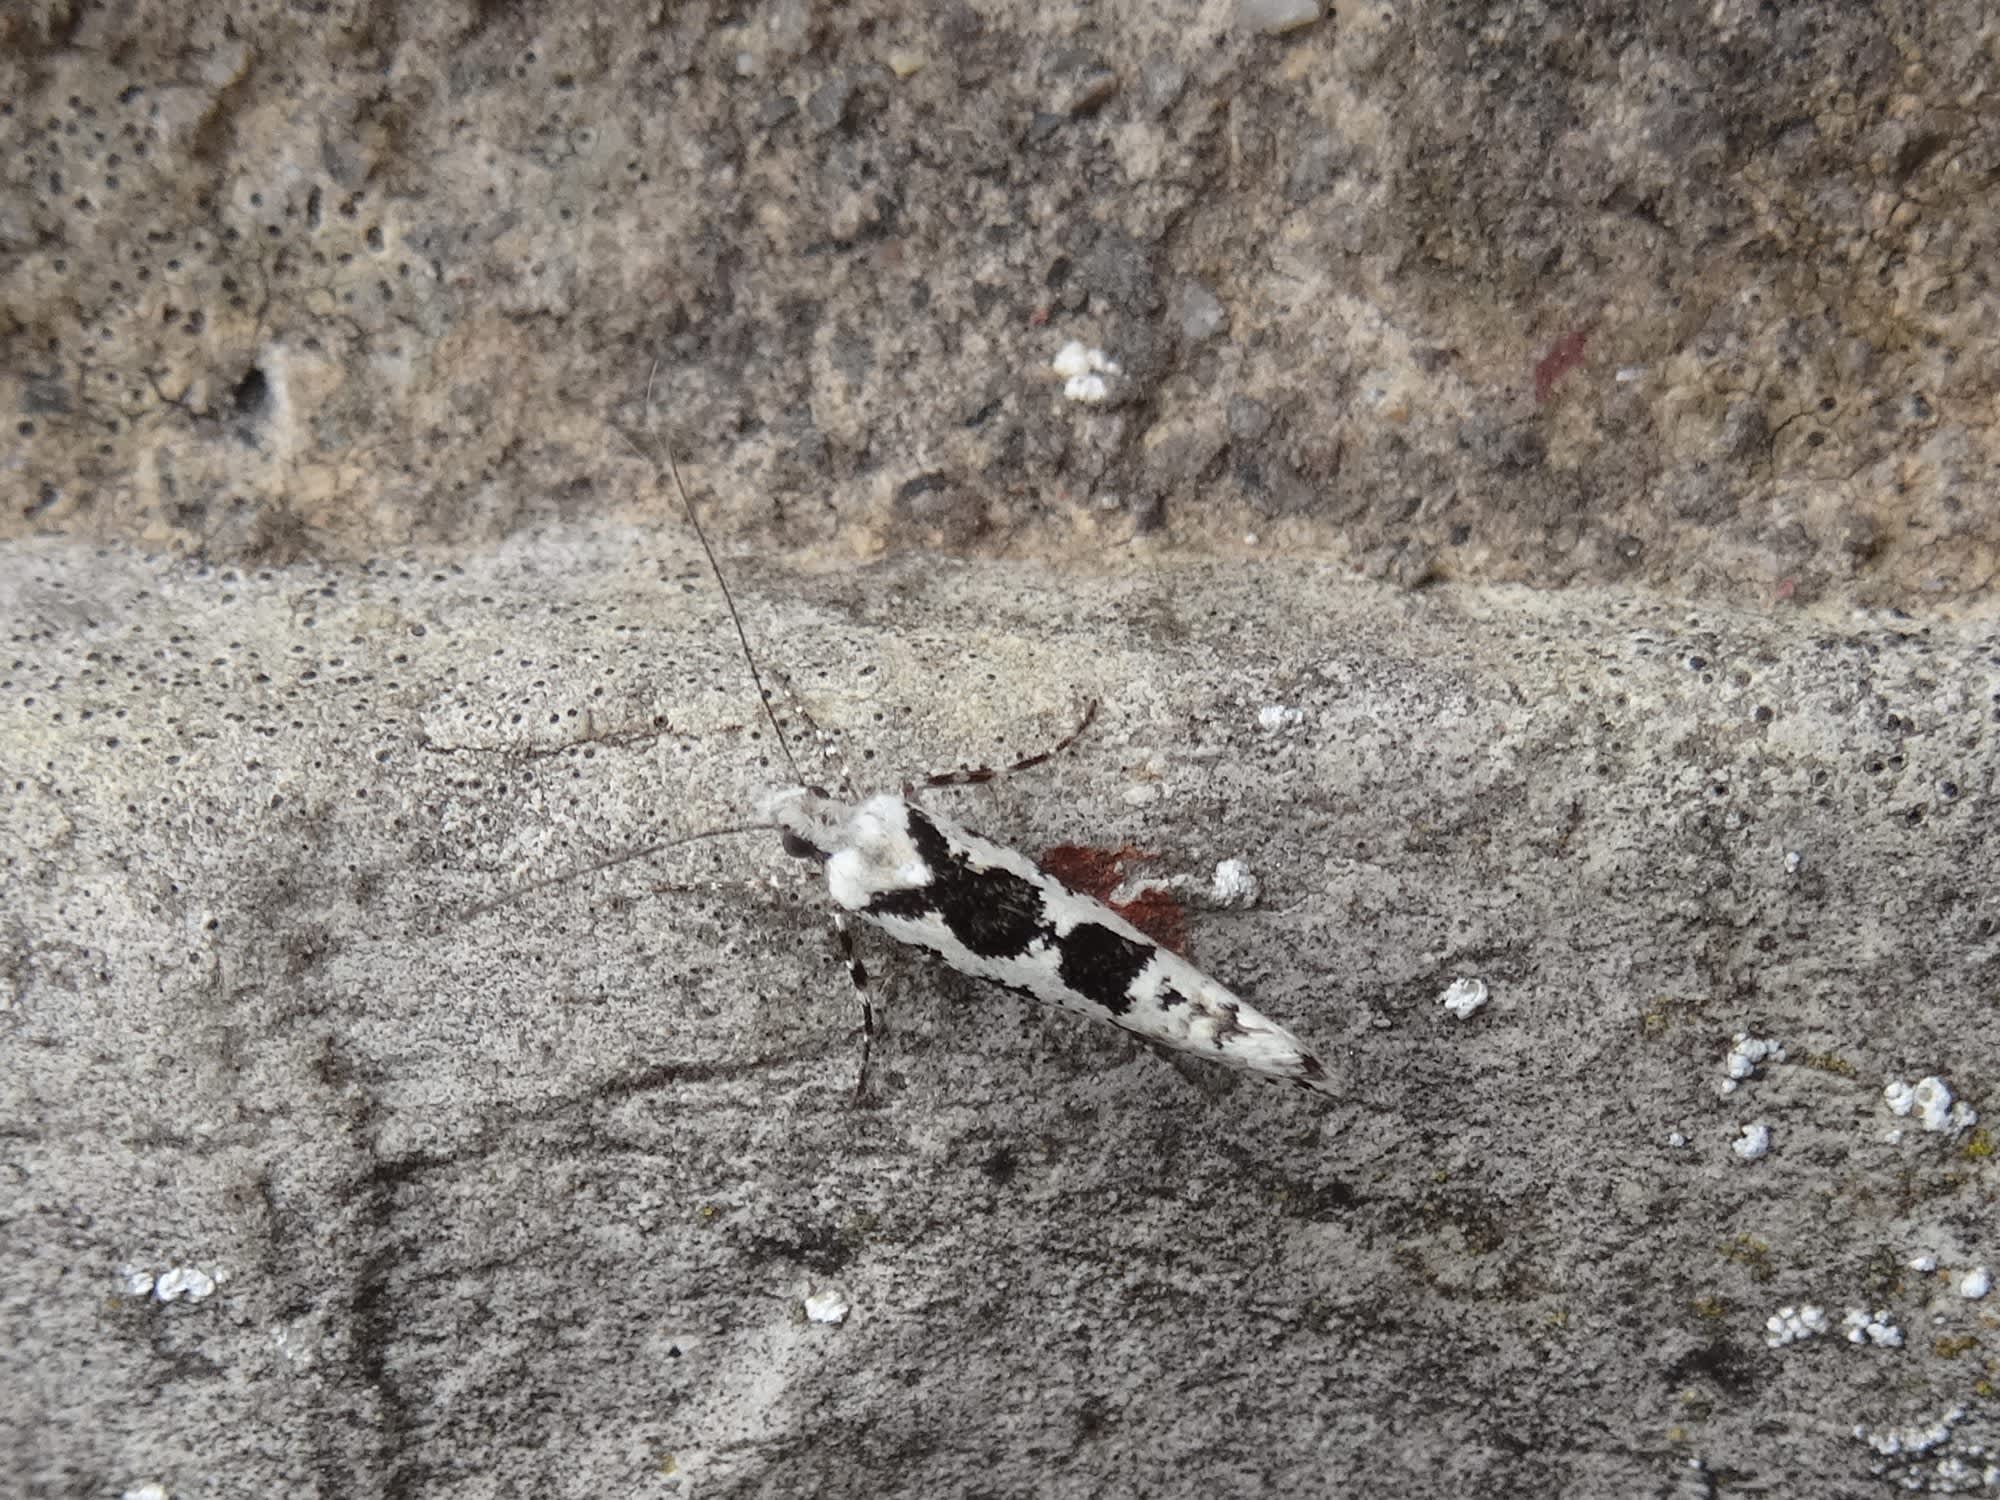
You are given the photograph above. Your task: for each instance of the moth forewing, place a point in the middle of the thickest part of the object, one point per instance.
(992, 913)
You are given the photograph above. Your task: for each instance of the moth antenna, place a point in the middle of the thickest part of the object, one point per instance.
(722, 582)
(609, 862)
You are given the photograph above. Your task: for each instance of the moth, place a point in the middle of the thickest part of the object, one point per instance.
(992, 913)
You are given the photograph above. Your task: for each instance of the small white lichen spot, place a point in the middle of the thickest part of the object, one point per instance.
(1975, 1284)
(1753, 1143)
(1677, 1140)
(183, 1281)
(1745, 1053)
(1234, 885)
(1464, 997)
(1864, 1327)
(1907, 1440)
(1273, 718)
(1072, 359)
(827, 1307)
(1923, 1261)
(1083, 371)
(134, 1282)
(1929, 1099)
(1793, 859)
(1790, 1324)
(146, 1492)
(1933, 1102)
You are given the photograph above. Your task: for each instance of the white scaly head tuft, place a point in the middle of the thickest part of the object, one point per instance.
(867, 849)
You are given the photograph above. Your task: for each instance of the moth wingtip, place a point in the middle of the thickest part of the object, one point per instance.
(1312, 1075)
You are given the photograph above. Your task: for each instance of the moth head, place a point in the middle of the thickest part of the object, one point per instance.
(797, 847)
(867, 850)
(810, 823)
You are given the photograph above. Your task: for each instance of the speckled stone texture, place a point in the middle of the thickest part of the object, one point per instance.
(527, 1198)
(1691, 293)
(347, 620)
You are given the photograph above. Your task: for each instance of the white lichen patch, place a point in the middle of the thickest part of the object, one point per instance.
(1274, 718)
(1930, 1101)
(1745, 1053)
(1788, 1325)
(1934, 1458)
(1083, 370)
(827, 1306)
(1754, 1142)
(1894, 1442)
(1865, 1327)
(188, 1283)
(1464, 997)
(1234, 885)
(1975, 1284)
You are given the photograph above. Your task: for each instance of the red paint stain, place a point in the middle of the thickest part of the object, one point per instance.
(1096, 873)
(1564, 355)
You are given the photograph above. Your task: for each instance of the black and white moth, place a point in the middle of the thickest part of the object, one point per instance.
(992, 913)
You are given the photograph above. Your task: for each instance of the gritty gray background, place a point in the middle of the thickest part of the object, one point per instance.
(1695, 293)
(527, 1200)
(340, 605)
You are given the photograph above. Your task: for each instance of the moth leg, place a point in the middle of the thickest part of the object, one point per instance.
(857, 975)
(975, 775)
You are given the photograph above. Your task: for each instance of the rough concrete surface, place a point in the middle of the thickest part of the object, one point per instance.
(1693, 293)
(354, 1142)
(528, 1199)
